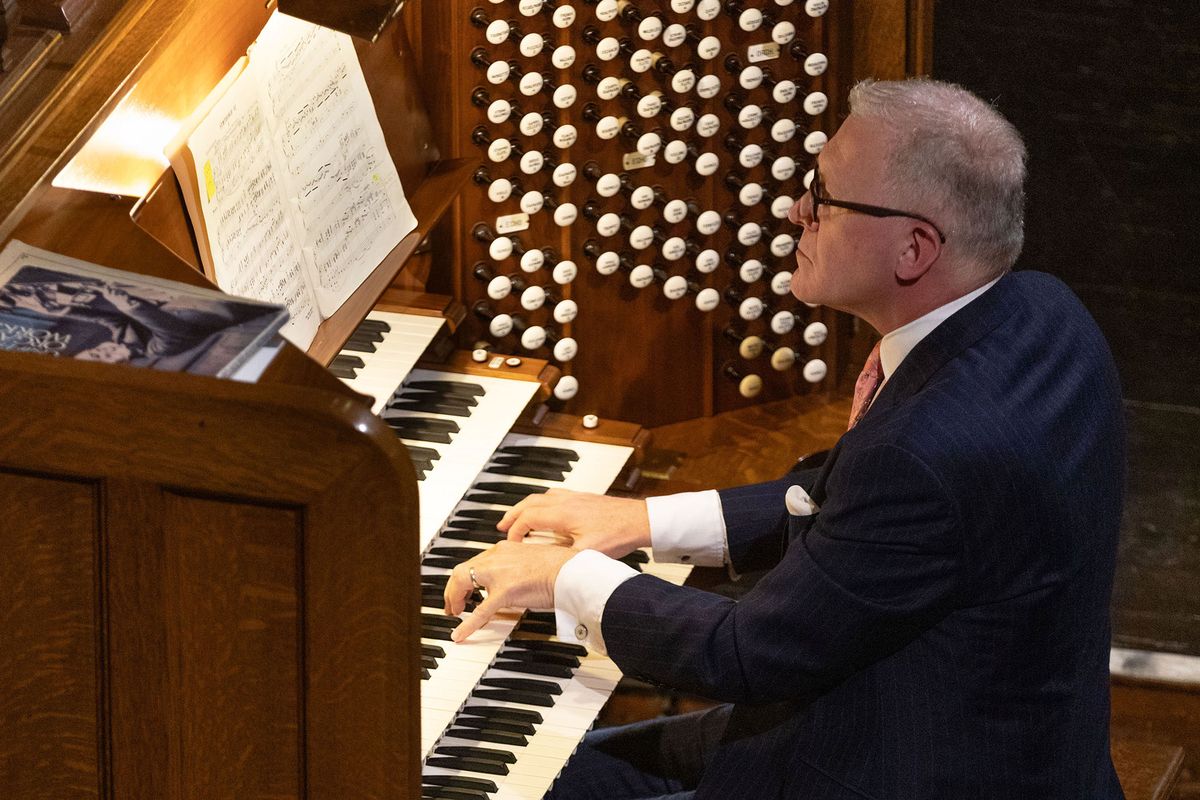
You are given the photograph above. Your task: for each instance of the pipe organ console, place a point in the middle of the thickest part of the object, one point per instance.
(693, 125)
(234, 590)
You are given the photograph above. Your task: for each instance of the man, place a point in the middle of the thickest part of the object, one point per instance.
(939, 627)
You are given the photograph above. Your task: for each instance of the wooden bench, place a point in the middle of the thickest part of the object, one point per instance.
(1147, 771)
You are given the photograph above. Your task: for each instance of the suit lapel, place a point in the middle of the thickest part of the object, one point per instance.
(961, 330)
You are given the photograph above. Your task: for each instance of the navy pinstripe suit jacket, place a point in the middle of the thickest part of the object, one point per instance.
(940, 629)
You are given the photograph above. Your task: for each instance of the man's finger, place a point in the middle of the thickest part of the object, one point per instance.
(516, 511)
(482, 614)
(458, 590)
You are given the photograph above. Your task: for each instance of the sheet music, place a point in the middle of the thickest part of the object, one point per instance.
(340, 175)
(246, 211)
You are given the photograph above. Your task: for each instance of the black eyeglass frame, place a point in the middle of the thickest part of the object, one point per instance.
(814, 189)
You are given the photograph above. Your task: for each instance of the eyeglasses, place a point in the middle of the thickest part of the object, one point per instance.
(819, 199)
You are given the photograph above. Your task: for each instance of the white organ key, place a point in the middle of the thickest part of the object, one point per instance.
(394, 356)
(470, 447)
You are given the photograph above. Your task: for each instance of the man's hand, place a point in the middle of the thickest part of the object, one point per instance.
(615, 526)
(514, 576)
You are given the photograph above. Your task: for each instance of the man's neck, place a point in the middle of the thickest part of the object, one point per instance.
(913, 302)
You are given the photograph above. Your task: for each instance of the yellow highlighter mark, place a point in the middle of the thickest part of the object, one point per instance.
(210, 185)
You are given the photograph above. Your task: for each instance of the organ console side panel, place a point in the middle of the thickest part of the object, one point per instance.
(224, 570)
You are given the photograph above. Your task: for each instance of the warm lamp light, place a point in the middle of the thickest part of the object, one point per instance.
(125, 155)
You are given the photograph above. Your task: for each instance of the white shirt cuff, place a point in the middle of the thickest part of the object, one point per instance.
(581, 591)
(688, 528)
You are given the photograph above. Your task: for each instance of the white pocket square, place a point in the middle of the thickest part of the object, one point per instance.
(799, 503)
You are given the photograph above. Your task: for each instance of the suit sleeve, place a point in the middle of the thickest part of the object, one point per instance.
(880, 564)
(756, 520)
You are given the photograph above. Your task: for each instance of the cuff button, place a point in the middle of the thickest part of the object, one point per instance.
(581, 632)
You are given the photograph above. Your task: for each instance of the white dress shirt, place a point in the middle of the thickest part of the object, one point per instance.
(689, 527)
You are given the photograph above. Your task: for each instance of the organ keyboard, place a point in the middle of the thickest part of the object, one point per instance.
(382, 350)
(503, 712)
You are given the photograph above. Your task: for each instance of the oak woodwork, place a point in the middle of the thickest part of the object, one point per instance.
(210, 588)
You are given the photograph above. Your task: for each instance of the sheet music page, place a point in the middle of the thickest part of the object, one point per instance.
(254, 249)
(340, 175)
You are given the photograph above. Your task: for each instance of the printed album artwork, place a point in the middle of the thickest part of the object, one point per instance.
(68, 308)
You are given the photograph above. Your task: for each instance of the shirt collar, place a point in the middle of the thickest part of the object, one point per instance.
(899, 343)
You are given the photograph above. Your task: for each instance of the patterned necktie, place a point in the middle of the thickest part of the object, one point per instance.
(866, 386)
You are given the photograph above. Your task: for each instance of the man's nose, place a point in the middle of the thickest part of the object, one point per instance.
(798, 214)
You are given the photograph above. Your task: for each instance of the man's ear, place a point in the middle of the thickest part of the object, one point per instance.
(920, 250)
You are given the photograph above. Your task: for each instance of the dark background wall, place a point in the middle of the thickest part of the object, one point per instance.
(1107, 94)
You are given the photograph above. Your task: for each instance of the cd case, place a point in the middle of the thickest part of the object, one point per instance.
(68, 308)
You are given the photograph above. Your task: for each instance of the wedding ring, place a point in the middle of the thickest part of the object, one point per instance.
(474, 580)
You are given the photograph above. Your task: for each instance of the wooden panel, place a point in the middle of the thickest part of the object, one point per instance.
(235, 610)
(263, 616)
(52, 734)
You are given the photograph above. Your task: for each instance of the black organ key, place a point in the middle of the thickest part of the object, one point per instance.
(523, 450)
(456, 552)
(423, 453)
(489, 753)
(545, 646)
(458, 782)
(433, 651)
(466, 524)
(431, 407)
(522, 685)
(467, 764)
(542, 465)
(424, 423)
(441, 634)
(495, 498)
(343, 360)
(359, 346)
(502, 713)
(440, 621)
(442, 563)
(533, 668)
(537, 626)
(376, 325)
(529, 471)
(489, 514)
(364, 335)
(495, 737)
(558, 462)
(434, 437)
(424, 674)
(486, 724)
(446, 793)
(515, 696)
(511, 487)
(342, 372)
(482, 537)
(405, 393)
(453, 388)
(522, 654)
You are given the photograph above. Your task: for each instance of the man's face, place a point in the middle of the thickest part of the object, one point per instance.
(846, 259)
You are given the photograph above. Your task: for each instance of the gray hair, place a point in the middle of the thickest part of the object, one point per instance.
(956, 156)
